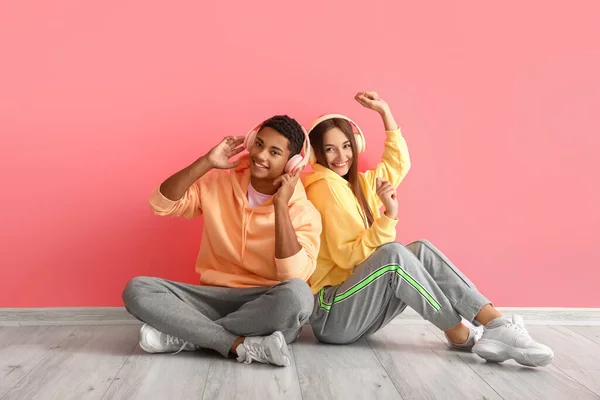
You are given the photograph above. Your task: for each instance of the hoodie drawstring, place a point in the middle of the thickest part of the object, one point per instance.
(245, 222)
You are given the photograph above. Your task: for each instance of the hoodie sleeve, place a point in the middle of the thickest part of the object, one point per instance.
(189, 206)
(394, 164)
(348, 241)
(307, 224)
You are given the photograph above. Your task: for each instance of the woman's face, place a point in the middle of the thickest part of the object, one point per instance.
(338, 151)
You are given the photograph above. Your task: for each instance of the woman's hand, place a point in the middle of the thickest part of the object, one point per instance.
(372, 101)
(387, 194)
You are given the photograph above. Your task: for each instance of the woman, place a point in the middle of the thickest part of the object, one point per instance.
(364, 278)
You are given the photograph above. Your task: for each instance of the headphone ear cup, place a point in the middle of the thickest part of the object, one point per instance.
(360, 142)
(293, 164)
(249, 140)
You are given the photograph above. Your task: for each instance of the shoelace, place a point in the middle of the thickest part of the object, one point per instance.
(176, 340)
(255, 351)
(518, 324)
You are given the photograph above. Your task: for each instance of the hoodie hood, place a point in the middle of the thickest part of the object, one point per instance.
(320, 173)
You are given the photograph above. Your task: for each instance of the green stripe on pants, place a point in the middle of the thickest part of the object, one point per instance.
(372, 277)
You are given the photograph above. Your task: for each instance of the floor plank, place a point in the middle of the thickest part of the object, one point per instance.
(22, 348)
(229, 379)
(340, 372)
(512, 381)
(161, 376)
(575, 354)
(353, 383)
(82, 367)
(590, 332)
(422, 366)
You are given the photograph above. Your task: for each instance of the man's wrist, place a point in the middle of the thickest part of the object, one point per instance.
(280, 205)
(204, 163)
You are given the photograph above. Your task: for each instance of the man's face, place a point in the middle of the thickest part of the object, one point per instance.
(269, 154)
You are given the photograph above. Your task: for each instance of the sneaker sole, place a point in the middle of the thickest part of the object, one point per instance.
(494, 351)
(284, 349)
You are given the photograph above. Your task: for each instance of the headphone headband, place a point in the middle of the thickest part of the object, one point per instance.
(332, 116)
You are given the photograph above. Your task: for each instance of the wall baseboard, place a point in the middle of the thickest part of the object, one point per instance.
(66, 316)
(119, 316)
(531, 316)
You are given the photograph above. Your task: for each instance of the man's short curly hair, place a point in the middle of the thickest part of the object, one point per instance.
(290, 128)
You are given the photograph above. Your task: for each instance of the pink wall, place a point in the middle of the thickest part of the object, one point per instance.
(99, 101)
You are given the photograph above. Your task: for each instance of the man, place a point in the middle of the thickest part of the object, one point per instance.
(260, 242)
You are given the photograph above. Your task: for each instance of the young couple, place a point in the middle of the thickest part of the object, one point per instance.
(266, 234)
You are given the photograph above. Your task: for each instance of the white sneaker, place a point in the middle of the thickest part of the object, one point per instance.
(511, 340)
(154, 341)
(270, 349)
(474, 336)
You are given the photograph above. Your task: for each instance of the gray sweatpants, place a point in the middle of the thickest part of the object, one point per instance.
(214, 317)
(392, 278)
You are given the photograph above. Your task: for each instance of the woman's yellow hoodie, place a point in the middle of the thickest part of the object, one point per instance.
(346, 241)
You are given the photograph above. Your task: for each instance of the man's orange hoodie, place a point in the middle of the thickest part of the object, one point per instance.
(238, 242)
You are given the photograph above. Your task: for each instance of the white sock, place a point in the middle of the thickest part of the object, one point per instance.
(496, 322)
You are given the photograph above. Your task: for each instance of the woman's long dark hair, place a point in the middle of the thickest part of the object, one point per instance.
(316, 140)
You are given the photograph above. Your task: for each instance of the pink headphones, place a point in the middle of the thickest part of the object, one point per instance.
(297, 162)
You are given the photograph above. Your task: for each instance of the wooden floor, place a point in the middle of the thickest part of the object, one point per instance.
(400, 362)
